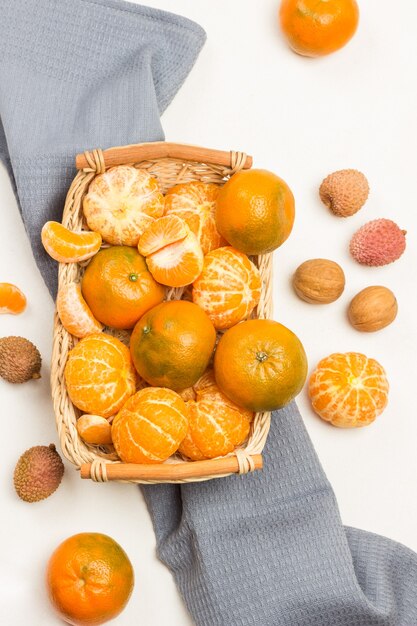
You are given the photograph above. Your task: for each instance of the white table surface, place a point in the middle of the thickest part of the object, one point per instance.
(302, 119)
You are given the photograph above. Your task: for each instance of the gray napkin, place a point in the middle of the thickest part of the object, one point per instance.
(267, 549)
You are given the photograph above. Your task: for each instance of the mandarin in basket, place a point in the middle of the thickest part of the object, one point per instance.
(66, 246)
(172, 344)
(255, 211)
(216, 424)
(150, 426)
(12, 299)
(121, 203)
(119, 288)
(228, 288)
(74, 313)
(94, 429)
(173, 253)
(349, 390)
(260, 365)
(89, 579)
(99, 375)
(195, 203)
(315, 28)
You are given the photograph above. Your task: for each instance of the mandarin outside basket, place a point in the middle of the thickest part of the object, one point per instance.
(170, 163)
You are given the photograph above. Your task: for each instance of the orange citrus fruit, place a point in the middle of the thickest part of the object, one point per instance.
(94, 429)
(121, 203)
(195, 203)
(99, 375)
(255, 211)
(65, 246)
(173, 254)
(317, 27)
(150, 426)
(172, 344)
(216, 424)
(228, 288)
(119, 288)
(260, 365)
(349, 390)
(89, 579)
(12, 299)
(74, 313)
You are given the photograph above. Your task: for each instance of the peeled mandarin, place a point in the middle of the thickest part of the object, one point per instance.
(99, 375)
(228, 288)
(195, 203)
(150, 426)
(121, 203)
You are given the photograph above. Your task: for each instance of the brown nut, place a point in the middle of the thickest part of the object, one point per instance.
(372, 309)
(319, 281)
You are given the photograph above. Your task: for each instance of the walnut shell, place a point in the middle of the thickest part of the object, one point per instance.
(372, 309)
(319, 281)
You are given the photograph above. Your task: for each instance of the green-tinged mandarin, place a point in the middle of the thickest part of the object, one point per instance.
(172, 344)
(260, 365)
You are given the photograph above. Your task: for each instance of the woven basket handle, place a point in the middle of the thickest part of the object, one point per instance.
(103, 472)
(124, 155)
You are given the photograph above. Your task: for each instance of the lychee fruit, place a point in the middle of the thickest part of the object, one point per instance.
(378, 242)
(345, 192)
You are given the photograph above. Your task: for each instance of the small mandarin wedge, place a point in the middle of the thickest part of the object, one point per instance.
(74, 313)
(121, 203)
(150, 426)
(12, 299)
(66, 246)
(173, 254)
(349, 390)
(195, 203)
(94, 429)
(216, 424)
(228, 288)
(99, 375)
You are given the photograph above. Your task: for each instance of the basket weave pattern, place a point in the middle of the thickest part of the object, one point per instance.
(169, 171)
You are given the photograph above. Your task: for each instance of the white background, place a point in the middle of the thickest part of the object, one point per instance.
(302, 119)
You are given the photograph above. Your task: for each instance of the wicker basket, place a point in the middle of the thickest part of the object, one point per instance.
(170, 164)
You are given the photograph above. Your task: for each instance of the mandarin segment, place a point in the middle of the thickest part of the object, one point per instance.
(99, 375)
(195, 203)
(228, 288)
(121, 203)
(66, 246)
(12, 299)
(74, 313)
(349, 390)
(173, 255)
(94, 429)
(150, 426)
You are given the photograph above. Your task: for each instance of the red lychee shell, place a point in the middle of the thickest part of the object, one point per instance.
(378, 243)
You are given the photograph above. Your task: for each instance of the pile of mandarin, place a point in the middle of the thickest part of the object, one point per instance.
(177, 271)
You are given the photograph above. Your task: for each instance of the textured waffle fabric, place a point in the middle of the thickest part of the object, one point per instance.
(267, 549)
